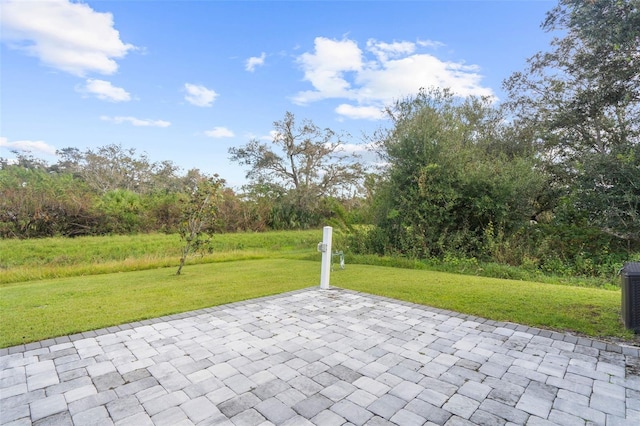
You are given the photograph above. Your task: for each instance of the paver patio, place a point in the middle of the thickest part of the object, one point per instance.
(323, 357)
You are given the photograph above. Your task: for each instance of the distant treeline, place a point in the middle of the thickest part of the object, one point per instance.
(114, 190)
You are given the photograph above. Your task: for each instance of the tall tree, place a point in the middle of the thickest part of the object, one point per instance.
(582, 98)
(450, 184)
(301, 156)
(302, 164)
(113, 167)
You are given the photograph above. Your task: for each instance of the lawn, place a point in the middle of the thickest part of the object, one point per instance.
(35, 310)
(34, 259)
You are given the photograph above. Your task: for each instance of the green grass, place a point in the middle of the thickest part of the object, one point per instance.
(26, 260)
(35, 310)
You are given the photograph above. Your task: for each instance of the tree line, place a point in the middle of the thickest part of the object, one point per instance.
(115, 190)
(549, 179)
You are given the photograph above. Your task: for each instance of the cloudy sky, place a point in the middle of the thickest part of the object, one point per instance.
(186, 80)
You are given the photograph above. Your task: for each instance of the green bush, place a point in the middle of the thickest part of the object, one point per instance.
(36, 204)
(526, 255)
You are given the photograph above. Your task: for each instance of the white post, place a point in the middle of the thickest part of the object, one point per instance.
(325, 270)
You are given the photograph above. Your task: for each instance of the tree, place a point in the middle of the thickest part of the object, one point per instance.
(35, 203)
(450, 188)
(199, 216)
(124, 211)
(582, 101)
(112, 167)
(307, 162)
(23, 160)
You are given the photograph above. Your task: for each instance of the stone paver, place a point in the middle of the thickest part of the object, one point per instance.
(320, 357)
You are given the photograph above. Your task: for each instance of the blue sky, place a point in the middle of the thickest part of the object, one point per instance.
(186, 80)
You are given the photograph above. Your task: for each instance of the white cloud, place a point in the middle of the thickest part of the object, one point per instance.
(105, 90)
(384, 51)
(273, 135)
(364, 151)
(361, 112)
(255, 61)
(67, 36)
(352, 148)
(325, 69)
(403, 76)
(136, 121)
(219, 132)
(199, 95)
(28, 146)
(430, 43)
(384, 72)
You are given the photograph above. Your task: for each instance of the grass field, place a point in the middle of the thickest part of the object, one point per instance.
(25, 260)
(89, 293)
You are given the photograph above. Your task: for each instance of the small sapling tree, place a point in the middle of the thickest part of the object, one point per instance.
(199, 216)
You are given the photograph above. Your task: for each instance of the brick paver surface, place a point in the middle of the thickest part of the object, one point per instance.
(323, 357)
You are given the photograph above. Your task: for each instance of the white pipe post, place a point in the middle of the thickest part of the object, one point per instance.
(325, 270)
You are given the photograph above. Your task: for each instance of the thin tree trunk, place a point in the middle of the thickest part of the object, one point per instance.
(185, 252)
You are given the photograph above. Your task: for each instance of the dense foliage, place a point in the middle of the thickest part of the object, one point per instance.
(582, 101)
(550, 180)
(450, 186)
(114, 190)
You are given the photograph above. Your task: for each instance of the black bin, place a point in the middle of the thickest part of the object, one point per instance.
(631, 295)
